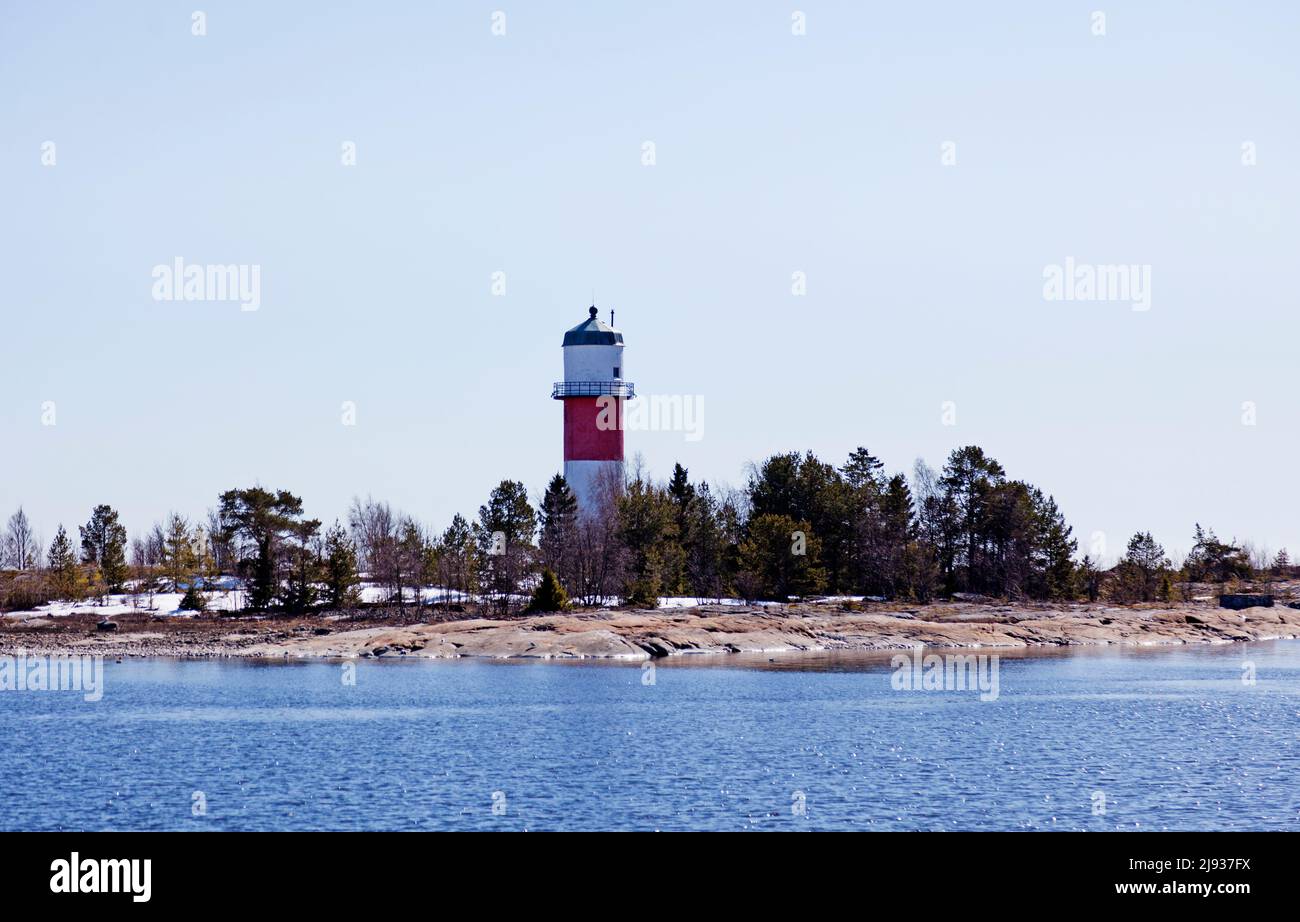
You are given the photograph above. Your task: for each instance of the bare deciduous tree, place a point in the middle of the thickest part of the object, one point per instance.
(373, 528)
(19, 547)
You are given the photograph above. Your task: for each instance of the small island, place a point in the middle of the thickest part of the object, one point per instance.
(641, 634)
(808, 557)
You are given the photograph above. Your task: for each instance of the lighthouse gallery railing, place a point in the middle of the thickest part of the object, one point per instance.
(562, 389)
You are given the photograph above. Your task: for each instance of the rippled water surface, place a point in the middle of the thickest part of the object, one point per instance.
(1173, 739)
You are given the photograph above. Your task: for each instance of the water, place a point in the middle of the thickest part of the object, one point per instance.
(1173, 738)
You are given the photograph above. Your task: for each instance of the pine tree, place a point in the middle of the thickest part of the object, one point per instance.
(779, 558)
(1212, 560)
(863, 470)
(705, 543)
(413, 554)
(808, 490)
(897, 528)
(828, 502)
(179, 559)
(103, 544)
(1089, 579)
(1008, 561)
(504, 537)
(302, 567)
(969, 479)
(680, 489)
(193, 600)
(645, 526)
(264, 520)
(682, 494)
(1138, 572)
(341, 579)
(920, 567)
(549, 595)
(1057, 549)
(457, 558)
(62, 561)
(559, 530)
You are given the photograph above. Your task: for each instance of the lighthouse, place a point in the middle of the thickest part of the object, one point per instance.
(593, 391)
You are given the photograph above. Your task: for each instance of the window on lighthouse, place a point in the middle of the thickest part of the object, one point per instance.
(616, 371)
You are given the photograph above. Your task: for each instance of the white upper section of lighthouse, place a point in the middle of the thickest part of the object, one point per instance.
(593, 361)
(593, 352)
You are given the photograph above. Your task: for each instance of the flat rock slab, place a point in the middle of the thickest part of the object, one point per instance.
(640, 635)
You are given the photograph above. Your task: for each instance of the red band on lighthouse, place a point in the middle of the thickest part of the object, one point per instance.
(593, 429)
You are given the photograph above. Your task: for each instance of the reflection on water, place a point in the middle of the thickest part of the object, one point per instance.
(1169, 738)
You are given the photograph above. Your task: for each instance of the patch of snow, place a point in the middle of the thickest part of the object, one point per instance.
(691, 602)
(372, 594)
(161, 603)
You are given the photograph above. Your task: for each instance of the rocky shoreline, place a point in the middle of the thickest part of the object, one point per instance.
(634, 635)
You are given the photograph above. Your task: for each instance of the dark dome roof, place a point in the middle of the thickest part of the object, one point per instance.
(592, 332)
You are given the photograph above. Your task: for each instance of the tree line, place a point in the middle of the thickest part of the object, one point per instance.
(800, 527)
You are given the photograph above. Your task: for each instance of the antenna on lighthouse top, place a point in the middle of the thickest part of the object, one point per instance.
(611, 316)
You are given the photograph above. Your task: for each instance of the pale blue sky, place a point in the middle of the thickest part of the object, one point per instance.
(775, 153)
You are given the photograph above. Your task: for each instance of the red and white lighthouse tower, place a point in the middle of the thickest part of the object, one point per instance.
(593, 391)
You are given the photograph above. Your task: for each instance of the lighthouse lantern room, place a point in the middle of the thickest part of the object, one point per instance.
(593, 391)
